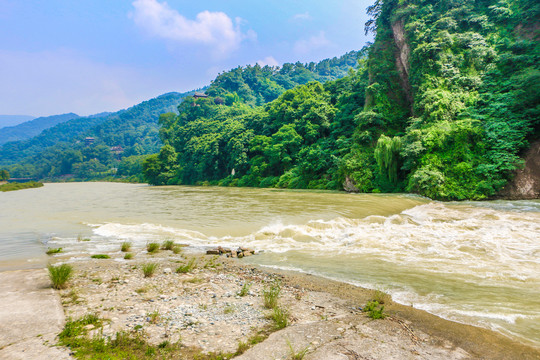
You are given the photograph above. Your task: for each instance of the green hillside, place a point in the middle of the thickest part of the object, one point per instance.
(445, 102)
(32, 128)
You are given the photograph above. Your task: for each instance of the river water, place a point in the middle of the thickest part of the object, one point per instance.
(472, 262)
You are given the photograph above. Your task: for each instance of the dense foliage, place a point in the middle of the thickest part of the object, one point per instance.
(20, 186)
(32, 128)
(442, 106)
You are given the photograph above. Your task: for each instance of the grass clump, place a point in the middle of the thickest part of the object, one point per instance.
(125, 247)
(374, 310)
(245, 289)
(20, 186)
(271, 295)
(100, 256)
(60, 275)
(152, 247)
(176, 249)
(280, 316)
(167, 245)
(124, 345)
(154, 317)
(183, 269)
(297, 355)
(51, 251)
(128, 256)
(149, 269)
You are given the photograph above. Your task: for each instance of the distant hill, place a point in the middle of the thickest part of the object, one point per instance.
(32, 128)
(12, 120)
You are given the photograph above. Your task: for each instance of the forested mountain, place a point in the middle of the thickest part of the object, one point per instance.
(32, 128)
(120, 140)
(64, 149)
(444, 104)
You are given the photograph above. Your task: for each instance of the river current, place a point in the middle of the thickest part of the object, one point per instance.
(472, 262)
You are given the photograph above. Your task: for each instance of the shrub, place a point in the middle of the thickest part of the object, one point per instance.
(149, 269)
(152, 247)
(271, 295)
(128, 256)
(51, 251)
(126, 246)
(100, 256)
(245, 289)
(60, 275)
(374, 310)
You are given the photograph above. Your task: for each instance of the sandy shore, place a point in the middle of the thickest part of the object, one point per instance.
(203, 311)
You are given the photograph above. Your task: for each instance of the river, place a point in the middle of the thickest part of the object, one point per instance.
(472, 262)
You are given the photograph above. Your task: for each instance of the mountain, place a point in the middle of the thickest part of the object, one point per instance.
(12, 120)
(32, 128)
(445, 104)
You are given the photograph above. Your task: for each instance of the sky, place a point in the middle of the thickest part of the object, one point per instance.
(90, 56)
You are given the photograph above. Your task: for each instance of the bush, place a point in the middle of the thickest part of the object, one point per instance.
(149, 269)
(374, 310)
(60, 275)
(100, 256)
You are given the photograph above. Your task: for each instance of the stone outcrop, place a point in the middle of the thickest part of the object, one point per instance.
(526, 182)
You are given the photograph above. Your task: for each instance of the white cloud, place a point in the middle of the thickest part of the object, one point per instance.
(303, 16)
(213, 29)
(269, 60)
(315, 42)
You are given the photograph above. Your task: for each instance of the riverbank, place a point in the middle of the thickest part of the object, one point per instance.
(202, 309)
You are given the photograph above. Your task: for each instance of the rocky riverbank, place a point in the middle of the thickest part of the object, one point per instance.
(216, 306)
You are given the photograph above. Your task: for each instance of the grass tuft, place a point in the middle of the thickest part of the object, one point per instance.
(126, 246)
(149, 269)
(374, 310)
(60, 275)
(297, 355)
(245, 289)
(51, 251)
(183, 269)
(100, 256)
(280, 316)
(152, 247)
(271, 295)
(167, 245)
(128, 256)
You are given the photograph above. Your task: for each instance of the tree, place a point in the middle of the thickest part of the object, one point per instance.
(4, 175)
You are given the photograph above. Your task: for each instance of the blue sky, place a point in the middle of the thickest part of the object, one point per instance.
(89, 56)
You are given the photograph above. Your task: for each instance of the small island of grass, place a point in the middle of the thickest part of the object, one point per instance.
(20, 186)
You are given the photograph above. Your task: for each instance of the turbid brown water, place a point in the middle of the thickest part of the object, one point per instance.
(476, 263)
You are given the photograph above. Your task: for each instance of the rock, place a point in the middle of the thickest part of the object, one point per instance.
(167, 270)
(234, 254)
(212, 252)
(240, 255)
(226, 250)
(247, 253)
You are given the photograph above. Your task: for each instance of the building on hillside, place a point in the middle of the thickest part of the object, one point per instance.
(89, 140)
(198, 95)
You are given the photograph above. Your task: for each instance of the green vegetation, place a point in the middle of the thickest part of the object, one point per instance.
(297, 355)
(443, 113)
(20, 186)
(128, 256)
(245, 289)
(126, 246)
(167, 245)
(32, 128)
(280, 316)
(51, 251)
(100, 256)
(124, 345)
(152, 247)
(190, 265)
(374, 310)
(149, 269)
(60, 275)
(271, 295)
(4, 175)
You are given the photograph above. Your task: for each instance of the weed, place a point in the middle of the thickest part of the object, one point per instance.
(242, 348)
(79, 237)
(195, 280)
(177, 249)
(100, 256)
(297, 355)
(229, 309)
(152, 247)
(271, 295)
(154, 317)
(203, 307)
(126, 246)
(141, 290)
(182, 269)
(380, 296)
(128, 256)
(60, 275)
(51, 251)
(149, 269)
(280, 317)
(167, 245)
(374, 310)
(245, 289)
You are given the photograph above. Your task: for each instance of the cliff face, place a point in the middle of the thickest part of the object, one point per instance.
(526, 182)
